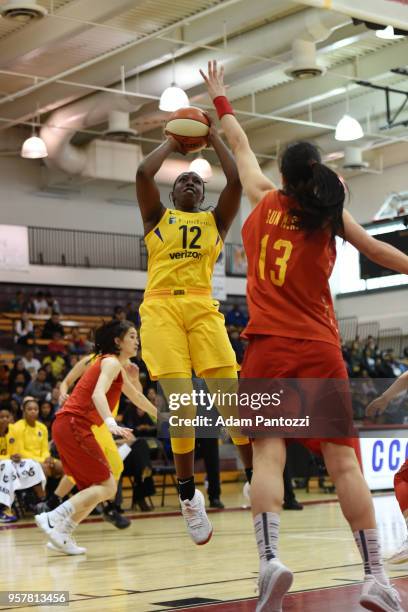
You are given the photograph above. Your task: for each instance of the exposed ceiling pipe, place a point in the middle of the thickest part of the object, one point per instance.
(375, 11)
(272, 38)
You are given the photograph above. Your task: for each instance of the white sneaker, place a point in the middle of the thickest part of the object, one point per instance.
(275, 580)
(401, 556)
(246, 491)
(43, 523)
(198, 525)
(64, 542)
(379, 597)
(81, 549)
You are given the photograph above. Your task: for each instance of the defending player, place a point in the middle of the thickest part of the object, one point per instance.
(91, 403)
(182, 329)
(292, 332)
(375, 408)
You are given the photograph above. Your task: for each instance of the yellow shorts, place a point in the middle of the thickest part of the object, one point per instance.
(109, 448)
(183, 333)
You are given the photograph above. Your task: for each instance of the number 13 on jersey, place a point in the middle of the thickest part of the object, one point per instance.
(284, 248)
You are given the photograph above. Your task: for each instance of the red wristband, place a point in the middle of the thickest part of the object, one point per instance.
(223, 106)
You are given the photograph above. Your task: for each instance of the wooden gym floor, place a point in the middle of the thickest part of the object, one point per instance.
(153, 565)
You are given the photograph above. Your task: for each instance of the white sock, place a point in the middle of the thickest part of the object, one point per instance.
(267, 533)
(370, 551)
(61, 512)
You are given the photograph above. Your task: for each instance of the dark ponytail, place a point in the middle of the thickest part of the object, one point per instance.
(318, 190)
(106, 334)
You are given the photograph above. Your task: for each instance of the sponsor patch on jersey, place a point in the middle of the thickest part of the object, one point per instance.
(172, 220)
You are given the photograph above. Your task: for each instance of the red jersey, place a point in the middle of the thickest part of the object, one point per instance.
(288, 289)
(80, 402)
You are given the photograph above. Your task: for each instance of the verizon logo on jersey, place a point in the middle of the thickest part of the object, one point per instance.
(186, 254)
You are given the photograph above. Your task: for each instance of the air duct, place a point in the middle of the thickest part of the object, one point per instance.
(60, 127)
(23, 10)
(304, 64)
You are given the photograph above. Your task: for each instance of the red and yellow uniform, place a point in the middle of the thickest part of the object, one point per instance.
(9, 443)
(292, 329)
(81, 455)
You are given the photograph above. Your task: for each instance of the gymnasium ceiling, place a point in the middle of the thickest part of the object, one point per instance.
(82, 46)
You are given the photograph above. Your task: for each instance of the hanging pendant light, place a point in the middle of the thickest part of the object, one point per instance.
(173, 97)
(202, 167)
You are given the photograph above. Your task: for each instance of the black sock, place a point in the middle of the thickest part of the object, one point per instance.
(108, 506)
(186, 488)
(248, 472)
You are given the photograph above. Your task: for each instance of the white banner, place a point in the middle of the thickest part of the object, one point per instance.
(14, 248)
(383, 456)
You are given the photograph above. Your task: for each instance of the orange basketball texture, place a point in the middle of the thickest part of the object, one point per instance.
(190, 126)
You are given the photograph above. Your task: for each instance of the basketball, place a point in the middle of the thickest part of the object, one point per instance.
(190, 126)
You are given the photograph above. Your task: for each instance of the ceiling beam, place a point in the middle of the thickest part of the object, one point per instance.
(43, 34)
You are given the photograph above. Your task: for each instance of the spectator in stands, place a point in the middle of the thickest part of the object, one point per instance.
(235, 317)
(55, 397)
(4, 378)
(76, 344)
(40, 303)
(56, 363)
(137, 463)
(50, 377)
(52, 303)
(33, 439)
(39, 388)
(157, 399)
(24, 329)
(355, 361)
(132, 314)
(368, 361)
(18, 394)
(18, 375)
(29, 305)
(57, 344)
(17, 303)
(31, 364)
(119, 313)
(371, 345)
(53, 325)
(237, 345)
(15, 410)
(47, 415)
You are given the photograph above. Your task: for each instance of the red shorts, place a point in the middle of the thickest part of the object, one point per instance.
(268, 357)
(81, 456)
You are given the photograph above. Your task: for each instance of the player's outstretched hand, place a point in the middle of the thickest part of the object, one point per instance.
(214, 80)
(123, 432)
(376, 407)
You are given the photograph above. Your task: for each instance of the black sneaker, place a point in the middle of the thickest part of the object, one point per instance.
(293, 505)
(111, 515)
(216, 503)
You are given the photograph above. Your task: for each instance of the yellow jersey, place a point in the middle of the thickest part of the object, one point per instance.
(33, 441)
(182, 250)
(9, 445)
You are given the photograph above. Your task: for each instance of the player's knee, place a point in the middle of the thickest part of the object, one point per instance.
(110, 487)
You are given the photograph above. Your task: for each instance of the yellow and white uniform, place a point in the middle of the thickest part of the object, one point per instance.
(182, 328)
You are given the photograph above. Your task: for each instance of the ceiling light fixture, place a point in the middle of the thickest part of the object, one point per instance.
(34, 147)
(173, 97)
(348, 128)
(388, 34)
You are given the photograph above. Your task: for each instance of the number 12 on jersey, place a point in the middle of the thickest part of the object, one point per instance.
(284, 247)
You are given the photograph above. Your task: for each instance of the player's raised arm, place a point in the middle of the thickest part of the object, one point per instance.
(230, 197)
(254, 182)
(378, 251)
(147, 191)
